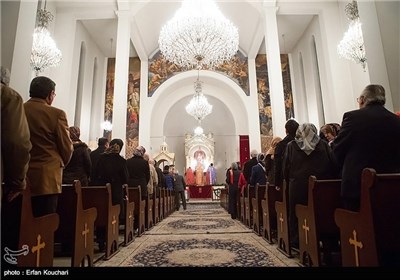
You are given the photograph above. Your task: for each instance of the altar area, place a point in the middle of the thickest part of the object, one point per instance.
(204, 192)
(199, 153)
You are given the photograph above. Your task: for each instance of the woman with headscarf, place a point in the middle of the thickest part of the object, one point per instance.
(270, 162)
(80, 165)
(305, 156)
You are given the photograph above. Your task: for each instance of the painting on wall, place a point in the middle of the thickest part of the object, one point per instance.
(161, 70)
(264, 99)
(133, 103)
(133, 106)
(108, 107)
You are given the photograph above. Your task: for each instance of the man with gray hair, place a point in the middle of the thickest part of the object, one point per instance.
(5, 76)
(179, 188)
(369, 137)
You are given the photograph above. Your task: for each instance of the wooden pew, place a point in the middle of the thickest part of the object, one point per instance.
(156, 206)
(165, 202)
(162, 203)
(135, 195)
(76, 228)
(282, 215)
(242, 199)
(223, 197)
(270, 226)
(317, 224)
(36, 236)
(107, 215)
(257, 210)
(238, 206)
(129, 231)
(149, 212)
(249, 208)
(371, 237)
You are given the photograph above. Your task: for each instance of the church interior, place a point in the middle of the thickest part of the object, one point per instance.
(293, 60)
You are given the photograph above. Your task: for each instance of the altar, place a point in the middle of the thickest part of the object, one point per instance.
(200, 191)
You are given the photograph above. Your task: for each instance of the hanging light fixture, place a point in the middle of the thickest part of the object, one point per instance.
(198, 36)
(352, 47)
(198, 130)
(198, 106)
(44, 50)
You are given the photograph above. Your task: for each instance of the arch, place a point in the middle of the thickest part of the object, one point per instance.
(216, 85)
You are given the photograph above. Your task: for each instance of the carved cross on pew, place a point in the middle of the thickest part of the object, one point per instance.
(85, 233)
(37, 249)
(113, 222)
(281, 220)
(357, 244)
(306, 229)
(130, 216)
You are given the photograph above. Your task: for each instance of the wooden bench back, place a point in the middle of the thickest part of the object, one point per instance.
(36, 235)
(370, 237)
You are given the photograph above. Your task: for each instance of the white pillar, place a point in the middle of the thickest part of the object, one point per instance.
(21, 73)
(253, 118)
(274, 70)
(374, 48)
(121, 77)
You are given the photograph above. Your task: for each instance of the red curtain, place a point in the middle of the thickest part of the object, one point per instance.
(244, 149)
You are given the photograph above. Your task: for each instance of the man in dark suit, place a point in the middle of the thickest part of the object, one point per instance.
(369, 137)
(103, 144)
(290, 127)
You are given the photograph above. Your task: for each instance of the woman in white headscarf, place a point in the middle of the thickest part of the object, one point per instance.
(305, 156)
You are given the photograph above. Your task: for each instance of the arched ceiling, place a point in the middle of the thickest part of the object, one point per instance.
(148, 16)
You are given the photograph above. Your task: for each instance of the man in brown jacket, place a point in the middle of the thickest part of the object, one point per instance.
(51, 146)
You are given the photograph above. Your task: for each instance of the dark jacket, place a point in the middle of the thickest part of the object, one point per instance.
(369, 137)
(79, 167)
(94, 158)
(278, 157)
(111, 168)
(139, 173)
(248, 165)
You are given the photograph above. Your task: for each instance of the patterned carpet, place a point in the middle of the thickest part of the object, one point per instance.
(204, 235)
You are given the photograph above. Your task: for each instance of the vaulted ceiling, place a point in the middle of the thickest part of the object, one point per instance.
(101, 20)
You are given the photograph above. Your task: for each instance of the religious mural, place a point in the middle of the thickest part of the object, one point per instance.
(133, 102)
(108, 107)
(264, 100)
(161, 70)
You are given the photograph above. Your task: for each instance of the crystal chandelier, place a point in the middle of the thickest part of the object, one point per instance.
(351, 47)
(44, 50)
(198, 36)
(198, 106)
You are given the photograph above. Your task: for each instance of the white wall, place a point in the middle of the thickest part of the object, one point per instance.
(70, 36)
(341, 80)
(389, 20)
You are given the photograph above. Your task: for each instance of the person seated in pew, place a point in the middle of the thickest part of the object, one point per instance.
(111, 168)
(305, 156)
(369, 137)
